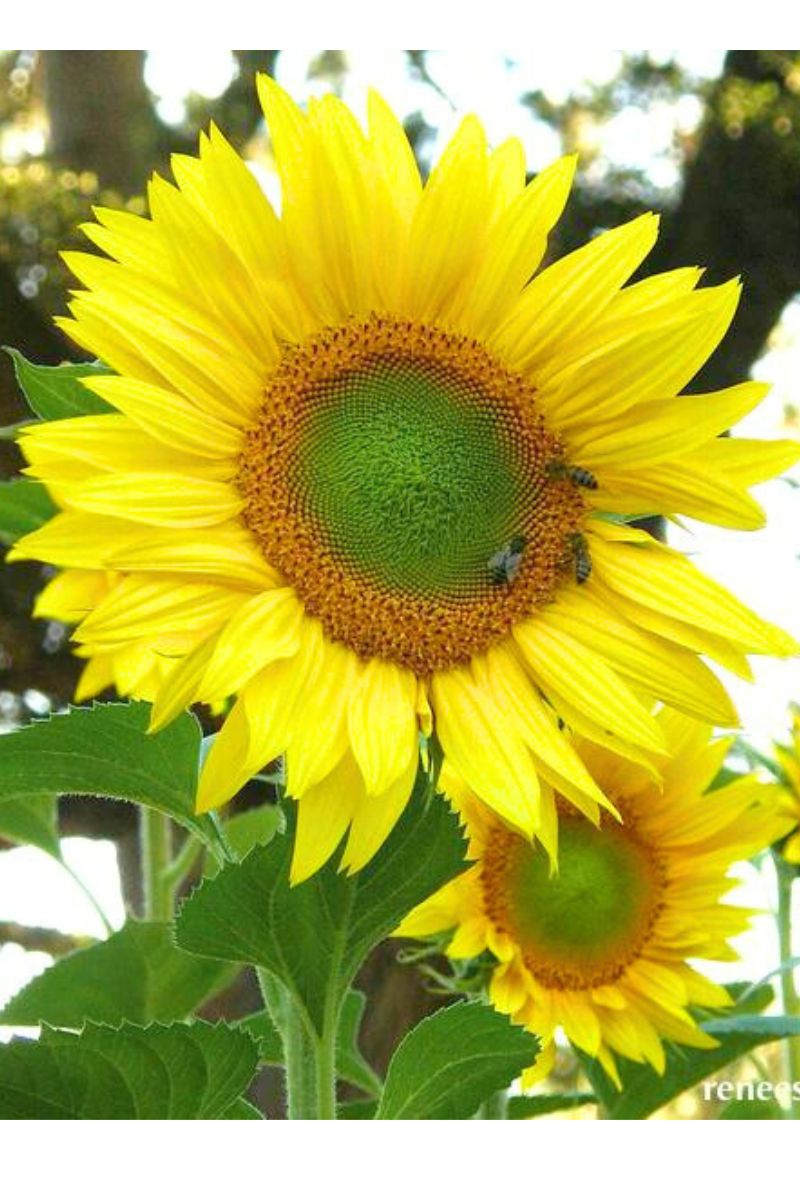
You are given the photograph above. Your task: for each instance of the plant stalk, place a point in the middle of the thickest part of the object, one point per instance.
(155, 831)
(299, 1048)
(789, 995)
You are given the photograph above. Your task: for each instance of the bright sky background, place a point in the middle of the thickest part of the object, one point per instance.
(763, 569)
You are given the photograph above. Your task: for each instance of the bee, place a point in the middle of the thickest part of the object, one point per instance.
(504, 565)
(581, 558)
(580, 476)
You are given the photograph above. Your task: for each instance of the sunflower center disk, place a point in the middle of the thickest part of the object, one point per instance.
(581, 927)
(403, 483)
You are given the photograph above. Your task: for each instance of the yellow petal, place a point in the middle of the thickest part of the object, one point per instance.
(569, 295)
(586, 681)
(169, 417)
(485, 748)
(173, 501)
(382, 722)
(323, 816)
(319, 737)
(374, 817)
(672, 585)
(449, 226)
(515, 247)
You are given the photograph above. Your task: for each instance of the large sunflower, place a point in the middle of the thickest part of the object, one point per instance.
(371, 455)
(600, 949)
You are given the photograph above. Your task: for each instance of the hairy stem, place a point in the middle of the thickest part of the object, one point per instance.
(791, 1000)
(156, 849)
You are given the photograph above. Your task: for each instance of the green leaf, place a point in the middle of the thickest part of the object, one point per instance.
(105, 750)
(357, 1110)
(452, 1061)
(24, 506)
(242, 1110)
(314, 936)
(56, 392)
(162, 1072)
(644, 1091)
(137, 975)
(350, 1062)
(351, 1065)
(31, 821)
(253, 827)
(522, 1108)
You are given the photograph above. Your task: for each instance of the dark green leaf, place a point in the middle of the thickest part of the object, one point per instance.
(24, 506)
(452, 1061)
(138, 975)
(56, 392)
(522, 1108)
(31, 821)
(644, 1091)
(162, 1072)
(105, 750)
(314, 936)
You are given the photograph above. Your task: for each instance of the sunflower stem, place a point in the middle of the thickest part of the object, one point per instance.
(155, 832)
(791, 1000)
(326, 1073)
(298, 1047)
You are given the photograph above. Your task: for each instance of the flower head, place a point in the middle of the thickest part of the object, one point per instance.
(600, 949)
(369, 460)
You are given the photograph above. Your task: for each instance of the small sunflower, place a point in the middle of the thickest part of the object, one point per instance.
(600, 948)
(788, 759)
(373, 459)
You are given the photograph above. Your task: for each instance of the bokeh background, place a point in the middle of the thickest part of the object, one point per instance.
(711, 139)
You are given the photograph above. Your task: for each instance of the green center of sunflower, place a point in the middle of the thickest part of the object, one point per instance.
(582, 926)
(410, 478)
(406, 485)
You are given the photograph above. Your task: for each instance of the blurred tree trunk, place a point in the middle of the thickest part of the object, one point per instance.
(739, 212)
(101, 115)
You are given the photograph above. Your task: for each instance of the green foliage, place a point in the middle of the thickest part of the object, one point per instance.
(452, 1061)
(138, 975)
(55, 393)
(157, 1073)
(644, 1091)
(24, 506)
(522, 1108)
(105, 750)
(314, 936)
(253, 827)
(31, 820)
(351, 1066)
(751, 1110)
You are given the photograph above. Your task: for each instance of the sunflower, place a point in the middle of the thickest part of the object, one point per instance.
(788, 760)
(376, 463)
(600, 949)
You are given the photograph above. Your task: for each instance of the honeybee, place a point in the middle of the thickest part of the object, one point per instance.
(504, 565)
(581, 558)
(580, 476)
